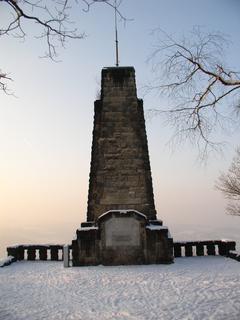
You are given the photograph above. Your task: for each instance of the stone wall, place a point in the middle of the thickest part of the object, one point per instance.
(122, 237)
(120, 176)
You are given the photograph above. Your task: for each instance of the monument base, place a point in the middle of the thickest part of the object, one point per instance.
(122, 237)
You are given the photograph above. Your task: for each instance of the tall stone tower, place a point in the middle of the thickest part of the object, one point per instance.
(121, 227)
(120, 176)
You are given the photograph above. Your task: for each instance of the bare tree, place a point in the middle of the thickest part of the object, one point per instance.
(229, 184)
(3, 81)
(192, 73)
(53, 18)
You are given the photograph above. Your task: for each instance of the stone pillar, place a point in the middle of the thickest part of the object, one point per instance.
(120, 175)
(66, 256)
(121, 227)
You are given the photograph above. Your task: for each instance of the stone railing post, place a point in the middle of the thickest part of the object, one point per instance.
(211, 249)
(31, 253)
(54, 253)
(230, 246)
(188, 250)
(199, 249)
(66, 256)
(177, 250)
(12, 251)
(43, 253)
(75, 253)
(20, 253)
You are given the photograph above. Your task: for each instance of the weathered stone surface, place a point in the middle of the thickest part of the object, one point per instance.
(85, 249)
(120, 176)
(121, 223)
(122, 238)
(122, 232)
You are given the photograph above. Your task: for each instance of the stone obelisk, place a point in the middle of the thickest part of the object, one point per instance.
(120, 176)
(121, 227)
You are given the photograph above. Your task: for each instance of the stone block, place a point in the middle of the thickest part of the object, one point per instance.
(177, 250)
(31, 253)
(43, 253)
(54, 253)
(188, 250)
(199, 249)
(211, 249)
(122, 237)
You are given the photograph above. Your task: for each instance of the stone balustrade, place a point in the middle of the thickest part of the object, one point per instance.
(181, 249)
(203, 248)
(37, 252)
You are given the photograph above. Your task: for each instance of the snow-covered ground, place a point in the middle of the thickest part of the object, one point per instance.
(191, 288)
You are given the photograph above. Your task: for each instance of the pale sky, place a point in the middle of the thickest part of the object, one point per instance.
(46, 132)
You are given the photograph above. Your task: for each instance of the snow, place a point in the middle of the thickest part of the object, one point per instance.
(234, 252)
(156, 227)
(7, 261)
(87, 228)
(194, 288)
(123, 211)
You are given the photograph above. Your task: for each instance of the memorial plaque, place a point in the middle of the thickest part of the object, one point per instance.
(122, 232)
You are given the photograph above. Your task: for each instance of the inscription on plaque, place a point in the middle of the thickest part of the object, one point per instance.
(122, 232)
(117, 238)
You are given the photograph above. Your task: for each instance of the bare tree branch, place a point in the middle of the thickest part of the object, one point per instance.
(54, 21)
(191, 73)
(4, 79)
(53, 18)
(229, 184)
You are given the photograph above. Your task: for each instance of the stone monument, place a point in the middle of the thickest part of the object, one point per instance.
(122, 225)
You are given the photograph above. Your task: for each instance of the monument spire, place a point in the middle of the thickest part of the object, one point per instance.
(116, 33)
(122, 226)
